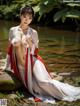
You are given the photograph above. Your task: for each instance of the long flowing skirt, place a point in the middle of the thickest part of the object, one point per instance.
(39, 82)
(41, 85)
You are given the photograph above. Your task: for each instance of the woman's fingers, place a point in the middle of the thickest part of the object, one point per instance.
(29, 42)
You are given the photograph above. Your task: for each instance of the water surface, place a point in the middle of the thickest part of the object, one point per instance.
(60, 49)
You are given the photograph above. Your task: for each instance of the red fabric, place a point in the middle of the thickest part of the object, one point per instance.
(12, 61)
(31, 58)
(15, 68)
(26, 68)
(36, 51)
(37, 100)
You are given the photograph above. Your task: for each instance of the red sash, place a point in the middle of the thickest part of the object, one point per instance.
(14, 64)
(13, 61)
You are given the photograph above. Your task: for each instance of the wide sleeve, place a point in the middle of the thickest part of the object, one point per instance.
(35, 38)
(35, 41)
(14, 36)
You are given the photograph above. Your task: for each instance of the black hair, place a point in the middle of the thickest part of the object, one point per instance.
(27, 9)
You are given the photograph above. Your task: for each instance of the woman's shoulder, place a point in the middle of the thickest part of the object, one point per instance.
(33, 30)
(14, 28)
(14, 31)
(34, 35)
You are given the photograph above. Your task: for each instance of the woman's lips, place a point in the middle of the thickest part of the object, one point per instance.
(25, 22)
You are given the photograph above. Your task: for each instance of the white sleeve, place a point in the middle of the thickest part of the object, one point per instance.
(14, 36)
(35, 42)
(35, 39)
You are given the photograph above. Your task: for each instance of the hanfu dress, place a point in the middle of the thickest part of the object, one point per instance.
(34, 75)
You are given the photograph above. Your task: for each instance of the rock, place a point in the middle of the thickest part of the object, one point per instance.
(65, 74)
(9, 82)
(12, 96)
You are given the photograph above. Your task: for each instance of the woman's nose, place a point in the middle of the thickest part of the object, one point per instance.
(26, 19)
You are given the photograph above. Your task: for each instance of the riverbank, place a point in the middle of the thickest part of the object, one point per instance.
(19, 95)
(22, 98)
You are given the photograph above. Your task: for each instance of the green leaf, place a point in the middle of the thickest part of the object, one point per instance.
(73, 4)
(63, 14)
(36, 8)
(47, 5)
(39, 17)
(59, 15)
(73, 14)
(63, 19)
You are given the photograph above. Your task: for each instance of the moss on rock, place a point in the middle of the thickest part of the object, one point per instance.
(8, 81)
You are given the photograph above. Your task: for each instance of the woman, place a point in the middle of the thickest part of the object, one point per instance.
(29, 67)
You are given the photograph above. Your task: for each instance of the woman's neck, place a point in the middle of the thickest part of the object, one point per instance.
(24, 29)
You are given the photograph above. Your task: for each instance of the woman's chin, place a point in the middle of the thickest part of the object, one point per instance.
(25, 26)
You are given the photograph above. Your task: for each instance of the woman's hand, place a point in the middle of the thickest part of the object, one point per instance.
(29, 41)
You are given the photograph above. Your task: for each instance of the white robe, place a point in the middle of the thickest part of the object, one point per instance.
(40, 83)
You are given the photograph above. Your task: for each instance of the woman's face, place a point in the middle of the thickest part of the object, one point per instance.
(26, 20)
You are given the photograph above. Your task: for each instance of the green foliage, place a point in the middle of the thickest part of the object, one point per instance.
(47, 5)
(10, 9)
(73, 4)
(65, 10)
(73, 14)
(59, 15)
(63, 14)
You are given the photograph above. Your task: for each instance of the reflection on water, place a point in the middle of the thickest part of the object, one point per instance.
(59, 49)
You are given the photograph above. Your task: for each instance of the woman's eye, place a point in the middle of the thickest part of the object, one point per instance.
(30, 18)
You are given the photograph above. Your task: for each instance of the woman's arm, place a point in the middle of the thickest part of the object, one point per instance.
(15, 40)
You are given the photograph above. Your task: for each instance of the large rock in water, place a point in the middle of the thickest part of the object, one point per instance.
(9, 82)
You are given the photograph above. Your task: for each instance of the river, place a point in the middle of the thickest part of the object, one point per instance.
(60, 49)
